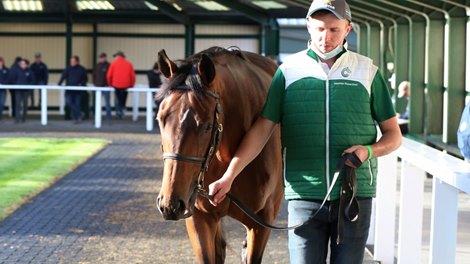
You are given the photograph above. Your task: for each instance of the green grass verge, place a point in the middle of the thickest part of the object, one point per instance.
(30, 165)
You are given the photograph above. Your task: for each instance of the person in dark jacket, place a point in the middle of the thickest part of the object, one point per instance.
(21, 75)
(154, 78)
(99, 80)
(41, 73)
(3, 80)
(13, 68)
(75, 75)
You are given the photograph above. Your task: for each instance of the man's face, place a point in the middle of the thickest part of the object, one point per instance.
(102, 59)
(327, 31)
(407, 91)
(73, 62)
(23, 64)
(37, 59)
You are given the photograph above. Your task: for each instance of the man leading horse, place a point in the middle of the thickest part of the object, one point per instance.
(327, 101)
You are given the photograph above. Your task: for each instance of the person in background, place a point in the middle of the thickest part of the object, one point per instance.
(3, 80)
(121, 76)
(154, 77)
(75, 75)
(41, 72)
(99, 80)
(18, 76)
(404, 92)
(403, 118)
(14, 67)
(463, 133)
(327, 101)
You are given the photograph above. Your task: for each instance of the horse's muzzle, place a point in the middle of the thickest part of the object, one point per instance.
(174, 208)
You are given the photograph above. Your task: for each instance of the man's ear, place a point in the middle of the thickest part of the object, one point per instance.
(167, 67)
(309, 28)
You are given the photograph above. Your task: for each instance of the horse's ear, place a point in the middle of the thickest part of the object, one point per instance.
(206, 70)
(167, 67)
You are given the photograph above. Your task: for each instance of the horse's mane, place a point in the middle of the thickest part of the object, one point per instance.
(186, 76)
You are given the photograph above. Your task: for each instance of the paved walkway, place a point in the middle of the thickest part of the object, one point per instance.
(104, 211)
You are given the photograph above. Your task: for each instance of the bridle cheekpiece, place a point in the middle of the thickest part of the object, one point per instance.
(216, 136)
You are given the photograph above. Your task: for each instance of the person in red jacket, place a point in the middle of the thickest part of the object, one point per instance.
(121, 76)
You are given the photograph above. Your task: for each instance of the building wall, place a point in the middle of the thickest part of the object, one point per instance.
(140, 43)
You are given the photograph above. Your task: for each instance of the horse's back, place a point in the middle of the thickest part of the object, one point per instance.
(262, 62)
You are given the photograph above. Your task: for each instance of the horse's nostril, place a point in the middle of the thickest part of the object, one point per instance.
(174, 210)
(181, 206)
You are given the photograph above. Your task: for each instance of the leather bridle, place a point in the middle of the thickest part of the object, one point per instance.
(216, 136)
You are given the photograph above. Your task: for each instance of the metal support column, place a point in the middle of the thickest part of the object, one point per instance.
(454, 96)
(270, 38)
(189, 39)
(417, 70)
(401, 62)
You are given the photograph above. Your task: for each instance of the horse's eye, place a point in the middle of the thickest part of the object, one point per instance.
(208, 127)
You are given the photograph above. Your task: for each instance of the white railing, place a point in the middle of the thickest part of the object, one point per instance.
(98, 100)
(450, 176)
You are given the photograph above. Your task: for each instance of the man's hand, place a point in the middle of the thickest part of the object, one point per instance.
(220, 188)
(390, 141)
(251, 145)
(361, 152)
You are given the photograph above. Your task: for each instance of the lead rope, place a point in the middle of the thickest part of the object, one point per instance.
(341, 167)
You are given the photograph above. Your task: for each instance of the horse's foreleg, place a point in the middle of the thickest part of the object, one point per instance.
(206, 238)
(257, 236)
(256, 239)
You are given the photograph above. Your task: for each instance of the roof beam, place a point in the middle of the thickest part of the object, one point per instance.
(171, 12)
(247, 11)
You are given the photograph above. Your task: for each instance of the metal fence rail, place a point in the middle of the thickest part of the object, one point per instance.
(98, 100)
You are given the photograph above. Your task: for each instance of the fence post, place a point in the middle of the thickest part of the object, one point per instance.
(444, 219)
(98, 108)
(135, 105)
(149, 114)
(411, 214)
(62, 102)
(43, 105)
(385, 204)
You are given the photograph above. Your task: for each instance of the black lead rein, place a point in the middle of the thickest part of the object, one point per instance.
(348, 208)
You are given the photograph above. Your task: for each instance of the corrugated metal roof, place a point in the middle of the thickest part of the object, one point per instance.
(192, 11)
(137, 10)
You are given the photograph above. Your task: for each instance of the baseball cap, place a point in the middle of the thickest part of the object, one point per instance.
(338, 7)
(119, 53)
(102, 54)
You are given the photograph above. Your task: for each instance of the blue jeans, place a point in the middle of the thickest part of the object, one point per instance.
(2, 101)
(309, 244)
(73, 100)
(107, 103)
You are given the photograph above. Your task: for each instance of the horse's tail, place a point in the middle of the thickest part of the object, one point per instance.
(220, 244)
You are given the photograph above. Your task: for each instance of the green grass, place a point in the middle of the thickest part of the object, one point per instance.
(30, 165)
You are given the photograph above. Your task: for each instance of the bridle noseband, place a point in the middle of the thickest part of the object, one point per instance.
(216, 136)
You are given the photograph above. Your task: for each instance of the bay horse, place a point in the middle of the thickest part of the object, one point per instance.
(214, 90)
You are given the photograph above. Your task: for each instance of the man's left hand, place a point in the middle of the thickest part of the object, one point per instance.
(361, 152)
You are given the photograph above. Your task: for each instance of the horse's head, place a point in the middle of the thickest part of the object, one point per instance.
(190, 125)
